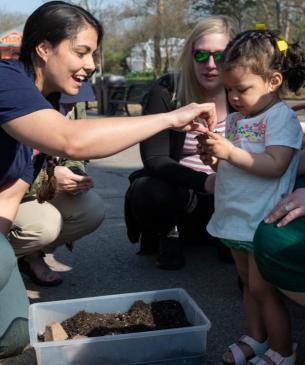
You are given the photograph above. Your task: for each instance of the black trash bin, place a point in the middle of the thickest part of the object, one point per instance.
(107, 88)
(99, 95)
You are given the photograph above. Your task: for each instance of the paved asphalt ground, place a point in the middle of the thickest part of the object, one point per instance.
(105, 262)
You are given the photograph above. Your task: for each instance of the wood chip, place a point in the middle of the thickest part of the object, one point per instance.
(79, 337)
(55, 332)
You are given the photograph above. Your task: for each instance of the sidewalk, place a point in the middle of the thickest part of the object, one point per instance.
(105, 262)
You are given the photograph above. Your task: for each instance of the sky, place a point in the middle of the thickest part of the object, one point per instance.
(21, 6)
(27, 6)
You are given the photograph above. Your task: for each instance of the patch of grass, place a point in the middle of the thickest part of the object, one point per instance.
(139, 76)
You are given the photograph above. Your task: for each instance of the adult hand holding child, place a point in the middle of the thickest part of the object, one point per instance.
(288, 208)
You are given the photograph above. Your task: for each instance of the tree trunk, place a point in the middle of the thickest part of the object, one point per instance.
(157, 39)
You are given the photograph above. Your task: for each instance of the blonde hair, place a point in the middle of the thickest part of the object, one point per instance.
(187, 87)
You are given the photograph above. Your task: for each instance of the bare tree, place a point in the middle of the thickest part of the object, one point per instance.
(236, 9)
(158, 20)
(284, 16)
(157, 37)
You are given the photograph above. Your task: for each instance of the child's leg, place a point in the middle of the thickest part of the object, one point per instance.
(274, 313)
(255, 324)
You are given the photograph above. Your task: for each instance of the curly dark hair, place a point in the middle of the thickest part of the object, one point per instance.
(258, 50)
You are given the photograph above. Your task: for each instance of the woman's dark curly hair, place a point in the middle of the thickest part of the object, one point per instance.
(258, 50)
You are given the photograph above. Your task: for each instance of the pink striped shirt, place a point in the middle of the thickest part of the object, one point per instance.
(190, 158)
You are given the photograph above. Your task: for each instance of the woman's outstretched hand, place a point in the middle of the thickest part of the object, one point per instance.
(200, 117)
(288, 208)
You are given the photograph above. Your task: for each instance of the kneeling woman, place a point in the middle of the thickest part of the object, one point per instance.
(280, 242)
(57, 55)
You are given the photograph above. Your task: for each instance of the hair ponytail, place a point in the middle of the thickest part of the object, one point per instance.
(47, 188)
(294, 65)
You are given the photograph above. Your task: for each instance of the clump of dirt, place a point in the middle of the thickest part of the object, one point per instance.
(141, 316)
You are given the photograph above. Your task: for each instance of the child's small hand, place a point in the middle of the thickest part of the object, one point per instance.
(204, 155)
(216, 145)
(209, 160)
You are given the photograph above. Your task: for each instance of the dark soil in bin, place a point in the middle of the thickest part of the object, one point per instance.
(141, 317)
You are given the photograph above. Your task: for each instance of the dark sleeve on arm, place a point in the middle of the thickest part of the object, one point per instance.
(19, 95)
(157, 151)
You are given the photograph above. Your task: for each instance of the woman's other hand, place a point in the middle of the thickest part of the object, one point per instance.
(70, 182)
(288, 208)
(200, 117)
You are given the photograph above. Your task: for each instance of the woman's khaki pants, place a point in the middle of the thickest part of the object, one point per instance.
(42, 227)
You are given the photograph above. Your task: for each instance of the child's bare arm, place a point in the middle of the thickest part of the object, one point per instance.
(272, 163)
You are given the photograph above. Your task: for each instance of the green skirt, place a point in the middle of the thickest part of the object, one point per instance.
(246, 246)
(280, 252)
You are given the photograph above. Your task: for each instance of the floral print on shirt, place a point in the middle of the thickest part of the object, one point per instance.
(252, 132)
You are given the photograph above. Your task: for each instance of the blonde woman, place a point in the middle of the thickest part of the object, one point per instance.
(166, 202)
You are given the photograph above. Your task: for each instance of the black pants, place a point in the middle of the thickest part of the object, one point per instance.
(153, 205)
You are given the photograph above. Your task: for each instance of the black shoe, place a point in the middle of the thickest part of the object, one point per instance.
(170, 255)
(149, 244)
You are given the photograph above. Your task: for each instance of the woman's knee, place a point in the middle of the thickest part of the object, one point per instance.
(38, 234)
(36, 226)
(91, 210)
(8, 261)
(49, 231)
(14, 304)
(153, 198)
(280, 253)
(81, 215)
(15, 338)
(148, 192)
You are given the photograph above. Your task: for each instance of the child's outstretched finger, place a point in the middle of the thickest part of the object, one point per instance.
(212, 135)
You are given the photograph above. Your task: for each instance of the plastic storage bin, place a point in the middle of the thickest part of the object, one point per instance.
(173, 346)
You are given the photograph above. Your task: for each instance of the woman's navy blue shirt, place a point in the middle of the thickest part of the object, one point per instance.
(19, 96)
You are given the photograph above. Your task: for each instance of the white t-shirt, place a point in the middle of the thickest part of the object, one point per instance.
(242, 200)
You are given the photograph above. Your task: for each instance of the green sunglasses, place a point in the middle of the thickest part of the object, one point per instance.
(201, 55)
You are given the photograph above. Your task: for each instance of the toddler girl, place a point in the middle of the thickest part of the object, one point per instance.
(256, 164)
